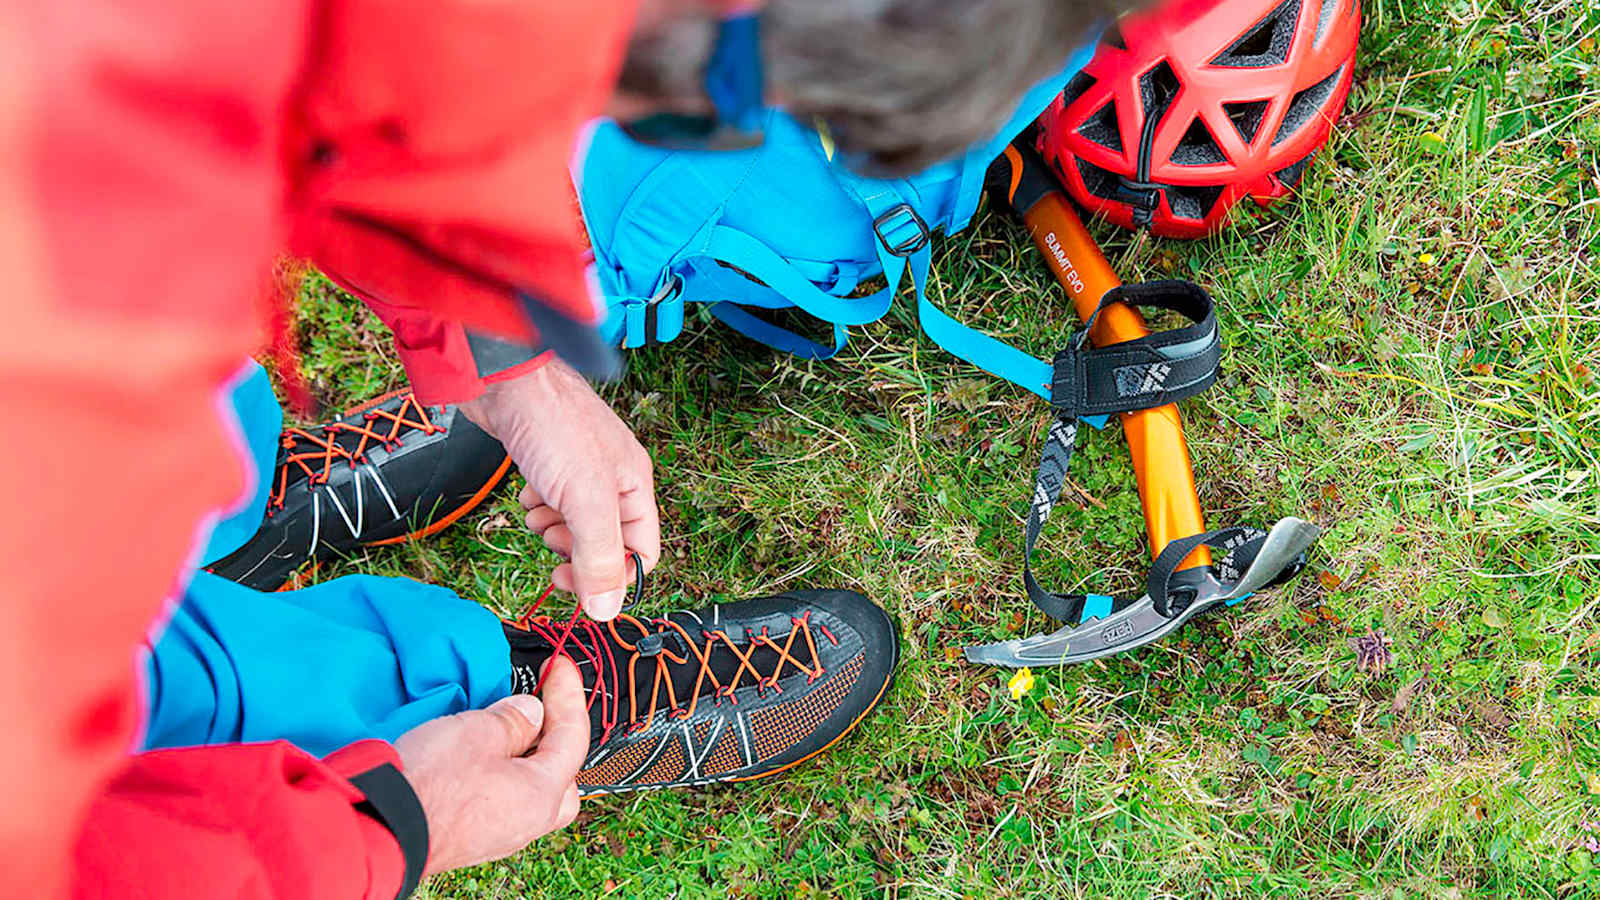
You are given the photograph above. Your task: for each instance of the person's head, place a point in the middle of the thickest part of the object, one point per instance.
(899, 83)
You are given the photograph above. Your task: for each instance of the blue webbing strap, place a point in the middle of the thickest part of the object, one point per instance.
(748, 324)
(749, 255)
(893, 216)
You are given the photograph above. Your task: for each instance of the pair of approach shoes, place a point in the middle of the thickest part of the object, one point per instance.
(387, 471)
(726, 693)
(731, 692)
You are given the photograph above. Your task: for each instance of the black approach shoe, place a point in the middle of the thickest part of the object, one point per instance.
(384, 472)
(728, 693)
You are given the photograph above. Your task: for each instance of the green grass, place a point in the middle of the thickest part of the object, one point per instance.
(1410, 356)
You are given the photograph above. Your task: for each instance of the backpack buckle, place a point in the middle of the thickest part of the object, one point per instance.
(651, 309)
(893, 219)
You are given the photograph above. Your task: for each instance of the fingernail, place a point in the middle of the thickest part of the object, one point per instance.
(606, 606)
(527, 704)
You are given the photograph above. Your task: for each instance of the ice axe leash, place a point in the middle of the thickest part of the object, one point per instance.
(1138, 375)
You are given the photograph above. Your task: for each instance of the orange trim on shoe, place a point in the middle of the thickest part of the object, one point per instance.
(439, 525)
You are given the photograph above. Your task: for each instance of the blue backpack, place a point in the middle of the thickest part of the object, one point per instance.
(673, 227)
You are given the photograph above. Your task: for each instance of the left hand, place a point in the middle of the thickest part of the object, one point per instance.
(591, 488)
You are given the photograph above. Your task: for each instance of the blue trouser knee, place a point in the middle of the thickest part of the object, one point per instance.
(356, 657)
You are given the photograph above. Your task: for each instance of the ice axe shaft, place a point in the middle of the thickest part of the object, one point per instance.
(1155, 436)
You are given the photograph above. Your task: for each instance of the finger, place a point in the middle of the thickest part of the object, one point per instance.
(541, 517)
(529, 498)
(521, 718)
(561, 577)
(569, 807)
(565, 739)
(597, 554)
(641, 525)
(558, 538)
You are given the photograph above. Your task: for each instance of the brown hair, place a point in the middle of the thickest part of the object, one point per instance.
(899, 83)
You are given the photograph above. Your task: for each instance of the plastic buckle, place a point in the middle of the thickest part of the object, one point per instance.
(911, 244)
(670, 289)
(1064, 383)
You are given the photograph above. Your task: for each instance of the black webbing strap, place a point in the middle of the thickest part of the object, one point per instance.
(1241, 543)
(392, 802)
(1152, 371)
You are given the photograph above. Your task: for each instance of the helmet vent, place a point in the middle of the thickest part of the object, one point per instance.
(1191, 202)
(1097, 181)
(1077, 87)
(1101, 128)
(1246, 117)
(1113, 37)
(1266, 43)
(1307, 104)
(1158, 88)
(1290, 176)
(1325, 20)
(1198, 147)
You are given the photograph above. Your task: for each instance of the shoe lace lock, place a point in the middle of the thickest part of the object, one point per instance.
(650, 644)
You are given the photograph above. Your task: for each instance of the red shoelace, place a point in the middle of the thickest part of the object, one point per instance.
(315, 453)
(590, 640)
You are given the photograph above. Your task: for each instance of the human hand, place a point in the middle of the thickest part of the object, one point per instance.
(591, 489)
(492, 780)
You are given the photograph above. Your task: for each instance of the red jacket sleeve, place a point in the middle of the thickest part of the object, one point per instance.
(446, 362)
(255, 821)
(427, 172)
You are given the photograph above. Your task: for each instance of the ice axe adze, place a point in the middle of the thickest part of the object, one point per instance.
(1184, 581)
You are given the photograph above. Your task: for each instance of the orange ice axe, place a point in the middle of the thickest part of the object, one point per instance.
(1131, 373)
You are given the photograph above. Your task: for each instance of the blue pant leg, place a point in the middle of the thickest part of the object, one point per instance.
(260, 421)
(356, 657)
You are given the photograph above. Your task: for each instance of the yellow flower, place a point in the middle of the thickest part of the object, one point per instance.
(1426, 259)
(1021, 683)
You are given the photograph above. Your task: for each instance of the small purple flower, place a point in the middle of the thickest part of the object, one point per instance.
(1372, 651)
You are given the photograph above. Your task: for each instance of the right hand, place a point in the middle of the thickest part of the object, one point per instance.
(492, 780)
(591, 491)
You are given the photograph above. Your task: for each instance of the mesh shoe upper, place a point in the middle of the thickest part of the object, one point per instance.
(383, 472)
(726, 693)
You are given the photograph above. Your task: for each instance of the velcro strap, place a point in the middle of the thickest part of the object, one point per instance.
(1152, 371)
(1161, 368)
(392, 802)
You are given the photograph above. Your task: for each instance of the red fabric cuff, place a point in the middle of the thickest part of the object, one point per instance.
(386, 862)
(517, 371)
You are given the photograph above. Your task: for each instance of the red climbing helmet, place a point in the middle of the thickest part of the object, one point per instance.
(1191, 106)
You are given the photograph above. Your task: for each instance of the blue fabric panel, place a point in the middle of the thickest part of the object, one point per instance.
(260, 421)
(357, 657)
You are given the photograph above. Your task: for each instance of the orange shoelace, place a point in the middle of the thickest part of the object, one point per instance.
(315, 454)
(590, 639)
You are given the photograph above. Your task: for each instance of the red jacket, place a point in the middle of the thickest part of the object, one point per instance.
(155, 157)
